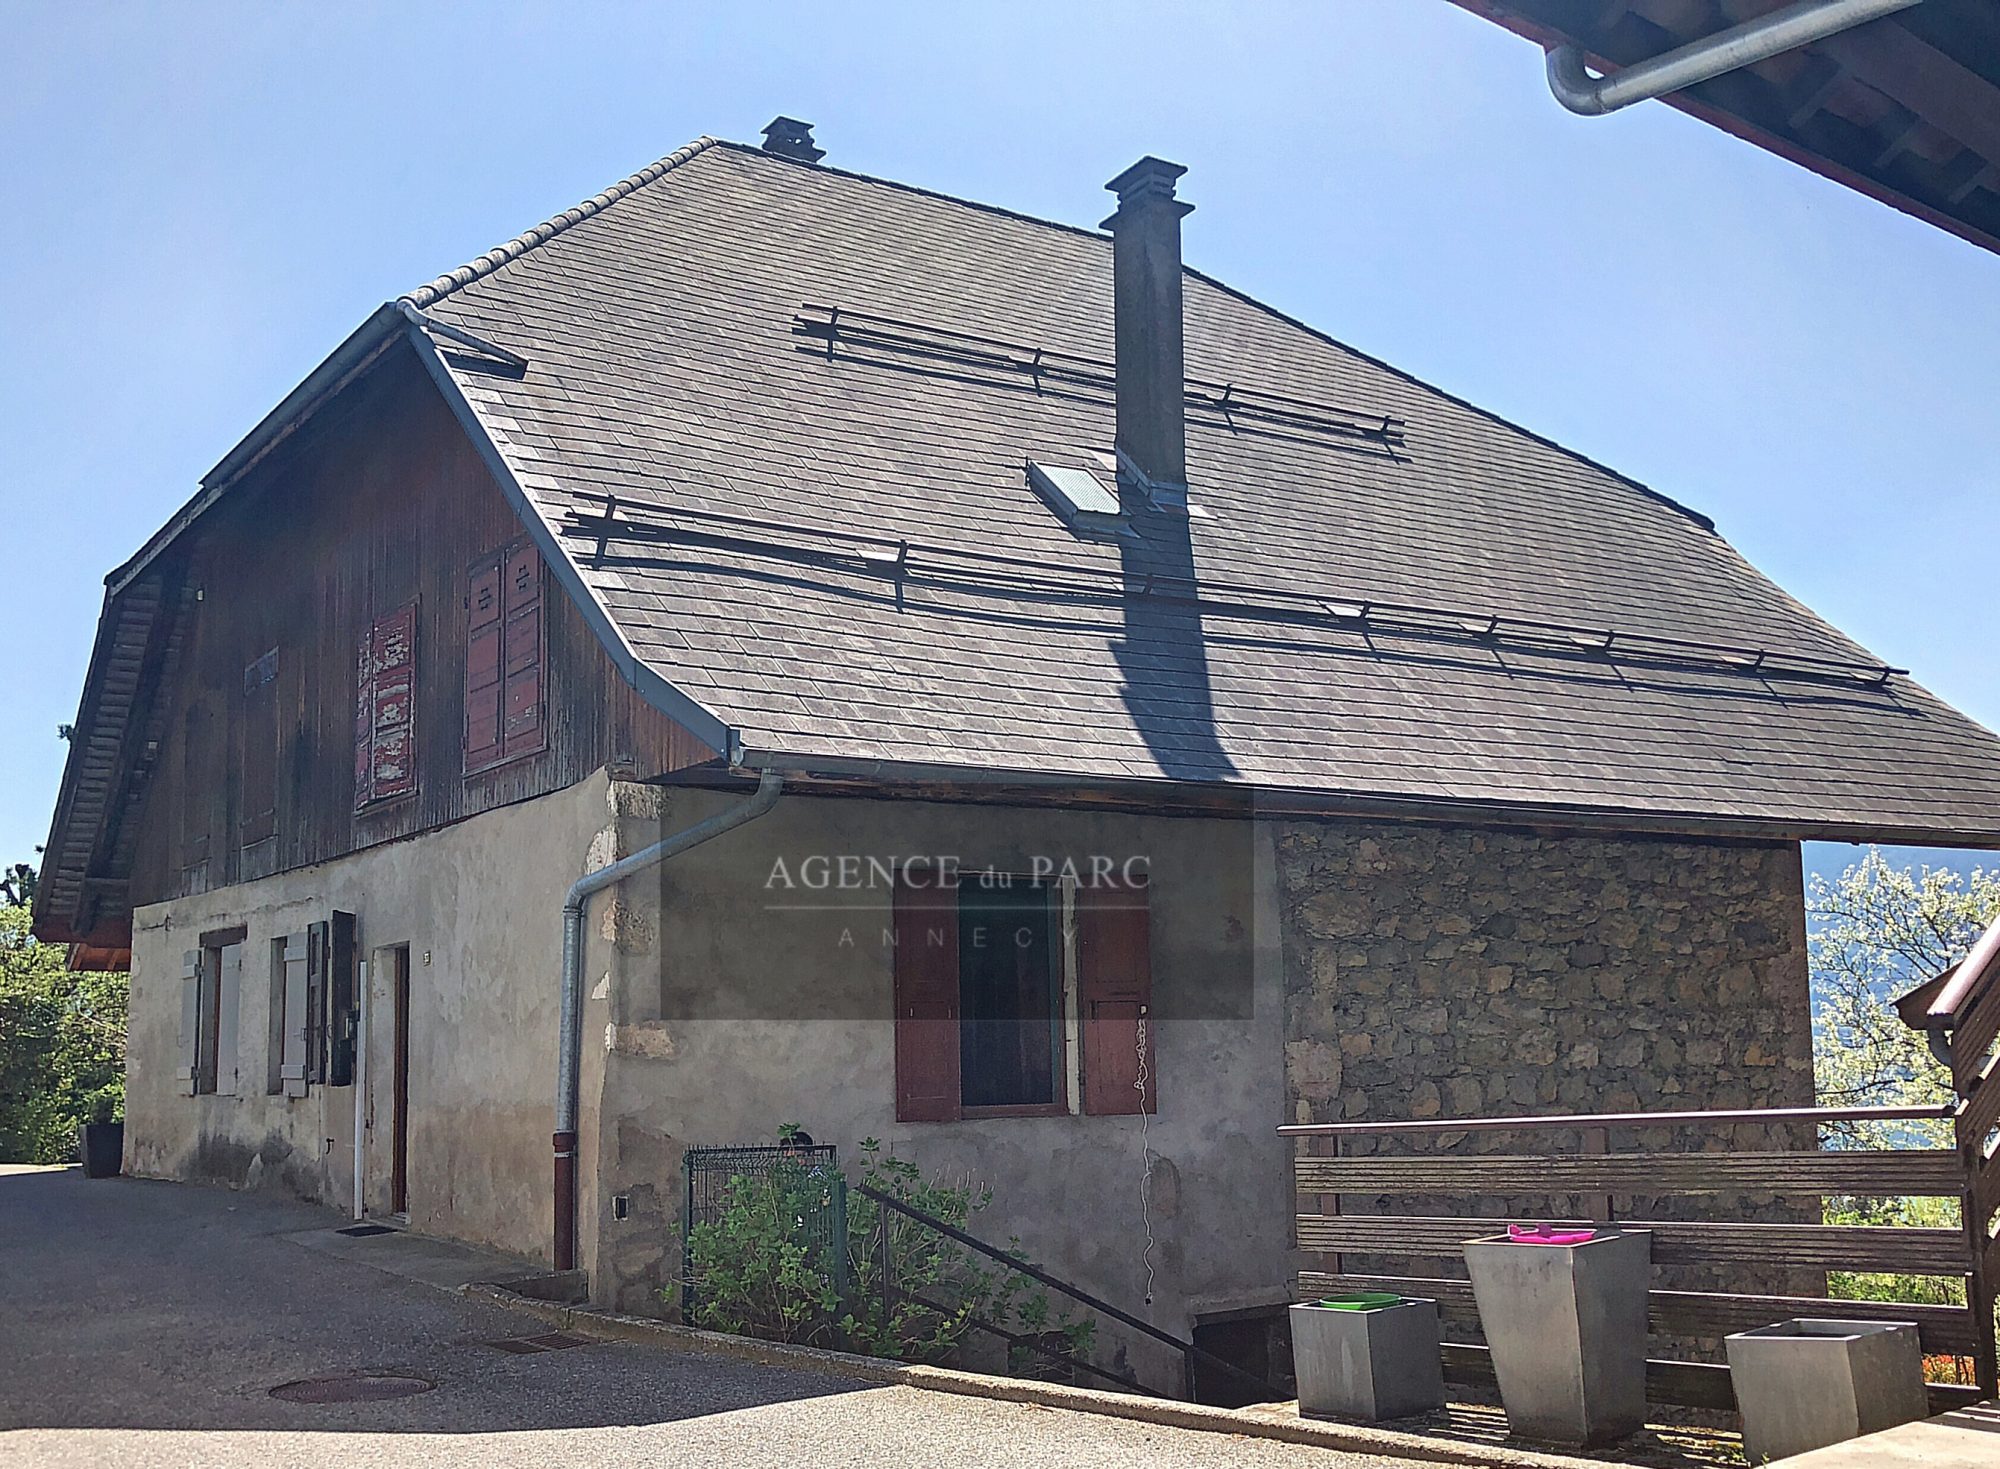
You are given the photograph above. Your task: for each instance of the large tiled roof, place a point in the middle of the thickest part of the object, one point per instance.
(667, 368)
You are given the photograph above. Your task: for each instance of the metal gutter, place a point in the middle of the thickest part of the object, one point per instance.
(1784, 29)
(569, 1042)
(459, 335)
(1947, 1008)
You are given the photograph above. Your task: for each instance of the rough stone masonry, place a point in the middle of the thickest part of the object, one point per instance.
(1433, 972)
(1438, 972)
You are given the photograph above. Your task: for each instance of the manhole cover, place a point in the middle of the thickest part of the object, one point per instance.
(554, 1341)
(363, 1387)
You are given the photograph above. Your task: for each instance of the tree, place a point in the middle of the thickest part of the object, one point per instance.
(62, 1045)
(18, 886)
(1877, 933)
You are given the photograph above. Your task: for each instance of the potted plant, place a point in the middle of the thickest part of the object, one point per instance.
(1564, 1311)
(1371, 1355)
(101, 1137)
(1806, 1383)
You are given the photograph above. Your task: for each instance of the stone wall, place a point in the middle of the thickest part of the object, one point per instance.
(1433, 972)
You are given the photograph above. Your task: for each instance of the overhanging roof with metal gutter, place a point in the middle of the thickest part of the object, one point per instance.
(1904, 109)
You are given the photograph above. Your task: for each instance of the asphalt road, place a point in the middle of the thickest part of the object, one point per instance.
(144, 1324)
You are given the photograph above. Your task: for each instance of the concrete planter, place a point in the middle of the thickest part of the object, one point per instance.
(1371, 1363)
(1567, 1326)
(1807, 1383)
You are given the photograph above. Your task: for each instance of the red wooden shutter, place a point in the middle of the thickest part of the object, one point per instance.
(1115, 991)
(505, 659)
(926, 935)
(521, 724)
(385, 719)
(483, 619)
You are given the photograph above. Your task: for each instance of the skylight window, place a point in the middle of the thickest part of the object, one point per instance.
(1087, 504)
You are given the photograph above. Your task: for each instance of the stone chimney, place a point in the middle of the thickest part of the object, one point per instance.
(789, 138)
(1146, 292)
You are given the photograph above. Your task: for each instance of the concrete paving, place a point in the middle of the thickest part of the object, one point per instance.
(143, 1324)
(1968, 1438)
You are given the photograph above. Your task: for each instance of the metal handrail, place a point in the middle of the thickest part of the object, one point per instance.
(1190, 1353)
(1929, 1111)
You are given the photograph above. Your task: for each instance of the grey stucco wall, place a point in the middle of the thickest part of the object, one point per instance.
(738, 1007)
(478, 904)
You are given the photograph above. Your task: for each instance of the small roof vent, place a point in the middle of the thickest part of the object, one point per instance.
(789, 138)
(1087, 504)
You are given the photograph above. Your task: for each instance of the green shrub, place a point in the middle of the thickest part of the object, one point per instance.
(765, 1267)
(62, 1046)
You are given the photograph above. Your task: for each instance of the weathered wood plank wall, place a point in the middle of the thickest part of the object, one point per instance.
(377, 503)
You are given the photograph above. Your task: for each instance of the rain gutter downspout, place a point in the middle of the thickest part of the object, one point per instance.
(570, 1032)
(1784, 29)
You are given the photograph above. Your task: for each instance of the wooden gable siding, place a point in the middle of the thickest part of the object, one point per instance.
(378, 504)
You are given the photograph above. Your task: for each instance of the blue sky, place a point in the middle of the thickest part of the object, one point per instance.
(203, 199)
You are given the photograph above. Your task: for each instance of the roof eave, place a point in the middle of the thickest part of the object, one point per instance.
(1192, 797)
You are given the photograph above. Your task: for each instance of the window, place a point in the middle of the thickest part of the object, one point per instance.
(1079, 494)
(385, 710)
(339, 957)
(1010, 998)
(257, 785)
(211, 1005)
(505, 654)
(981, 1004)
(315, 1008)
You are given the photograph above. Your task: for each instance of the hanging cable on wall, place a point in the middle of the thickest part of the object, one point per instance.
(1145, 1161)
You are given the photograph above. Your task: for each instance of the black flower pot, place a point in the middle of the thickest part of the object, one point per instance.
(103, 1149)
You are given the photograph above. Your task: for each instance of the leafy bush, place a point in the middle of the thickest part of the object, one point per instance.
(758, 1268)
(765, 1267)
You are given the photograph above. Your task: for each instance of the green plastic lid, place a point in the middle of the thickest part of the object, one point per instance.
(1366, 1300)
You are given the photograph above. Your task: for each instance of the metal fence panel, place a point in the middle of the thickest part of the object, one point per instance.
(710, 1175)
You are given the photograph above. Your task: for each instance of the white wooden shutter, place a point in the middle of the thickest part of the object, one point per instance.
(292, 1066)
(190, 1033)
(228, 1011)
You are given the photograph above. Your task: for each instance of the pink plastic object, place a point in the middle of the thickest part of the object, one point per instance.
(1541, 1234)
